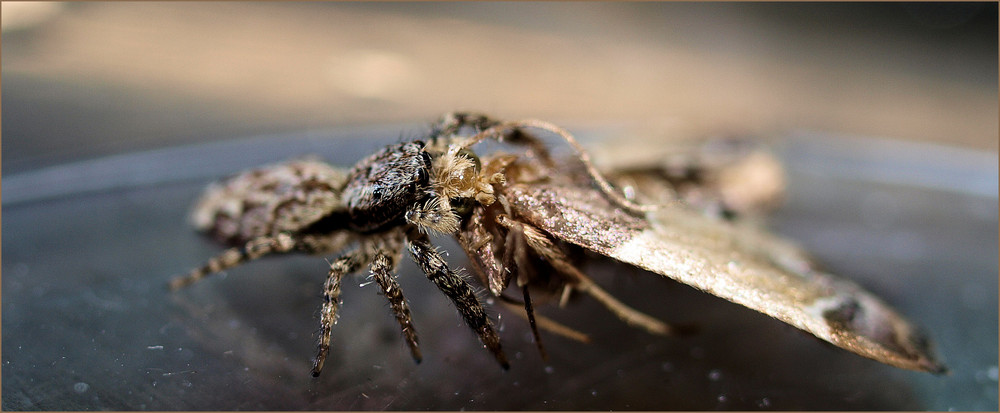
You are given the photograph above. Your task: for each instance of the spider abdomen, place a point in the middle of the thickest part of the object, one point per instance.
(267, 201)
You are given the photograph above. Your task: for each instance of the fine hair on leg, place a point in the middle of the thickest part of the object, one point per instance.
(232, 257)
(383, 267)
(349, 263)
(458, 290)
(260, 247)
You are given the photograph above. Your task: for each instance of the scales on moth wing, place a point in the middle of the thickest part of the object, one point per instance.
(515, 216)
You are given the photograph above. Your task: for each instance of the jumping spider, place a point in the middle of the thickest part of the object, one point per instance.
(520, 217)
(393, 199)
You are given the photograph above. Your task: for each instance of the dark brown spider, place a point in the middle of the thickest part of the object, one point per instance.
(391, 199)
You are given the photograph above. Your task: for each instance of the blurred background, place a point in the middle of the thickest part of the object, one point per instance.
(83, 80)
(115, 116)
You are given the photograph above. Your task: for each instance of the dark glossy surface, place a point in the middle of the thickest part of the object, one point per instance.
(88, 322)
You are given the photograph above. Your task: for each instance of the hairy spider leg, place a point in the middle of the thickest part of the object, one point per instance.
(381, 255)
(458, 290)
(259, 247)
(346, 264)
(542, 245)
(383, 267)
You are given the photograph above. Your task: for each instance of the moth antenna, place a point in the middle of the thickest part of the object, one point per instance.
(583, 155)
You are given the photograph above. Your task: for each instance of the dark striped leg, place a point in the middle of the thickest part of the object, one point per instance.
(382, 269)
(515, 261)
(347, 264)
(458, 290)
(253, 249)
(260, 247)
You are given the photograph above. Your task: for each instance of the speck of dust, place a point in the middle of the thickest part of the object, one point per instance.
(81, 387)
(765, 402)
(714, 375)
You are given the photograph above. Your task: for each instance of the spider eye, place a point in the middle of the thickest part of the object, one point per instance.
(424, 173)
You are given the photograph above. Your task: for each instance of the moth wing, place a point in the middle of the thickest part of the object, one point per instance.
(738, 263)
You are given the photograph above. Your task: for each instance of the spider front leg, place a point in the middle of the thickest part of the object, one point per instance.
(434, 214)
(458, 290)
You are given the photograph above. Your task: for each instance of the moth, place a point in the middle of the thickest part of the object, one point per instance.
(523, 218)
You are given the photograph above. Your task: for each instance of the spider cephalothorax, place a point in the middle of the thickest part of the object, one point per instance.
(380, 189)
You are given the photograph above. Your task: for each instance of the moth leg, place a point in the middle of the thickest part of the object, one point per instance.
(451, 123)
(546, 323)
(515, 260)
(458, 290)
(542, 245)
(382, 269)
(346, 264)
(627, 314)
(480, 245)
(530, 312)
(583, 157)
